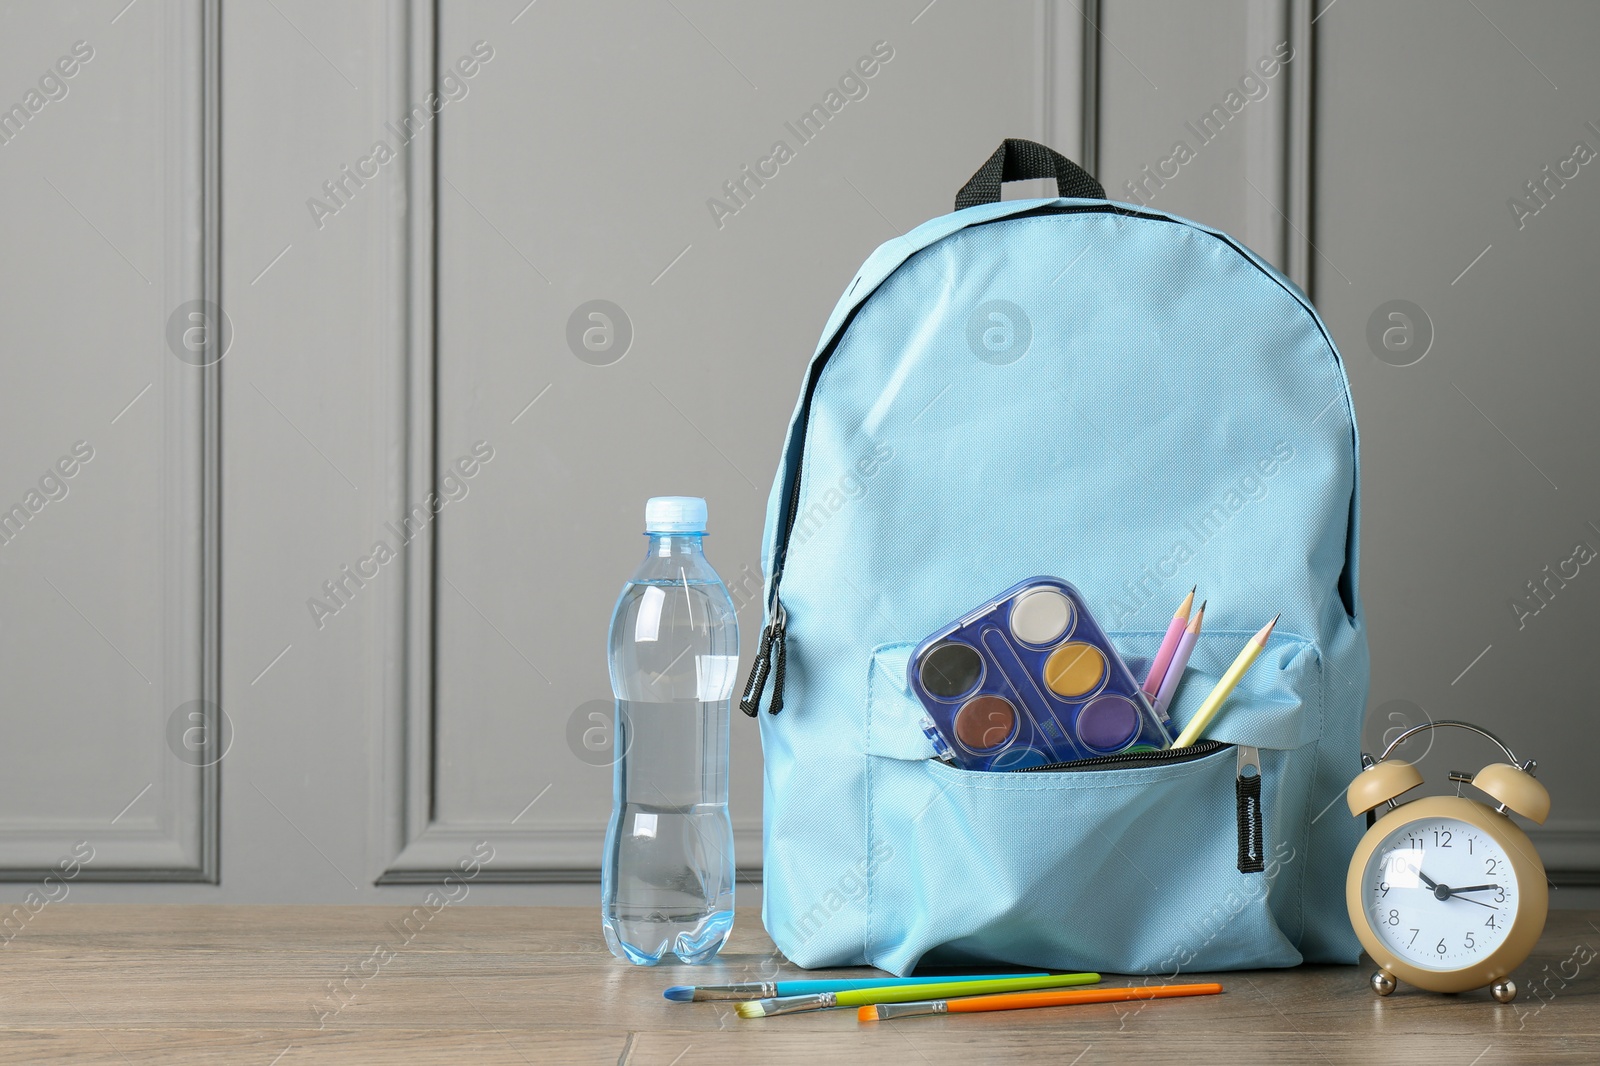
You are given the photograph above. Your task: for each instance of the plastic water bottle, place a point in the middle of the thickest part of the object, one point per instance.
(667, 878)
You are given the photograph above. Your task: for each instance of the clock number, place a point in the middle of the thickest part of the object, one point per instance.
(1499, 895)
(1436, 838)
(1490, 923)
(1413, 939)
(1394, 917)
(1470, 943)
(1489, 865)
(1414, 842)
(1440, 949)
(1469, 845)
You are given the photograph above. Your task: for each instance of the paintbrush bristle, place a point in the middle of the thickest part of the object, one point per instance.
(680, 993)
(751, 1009)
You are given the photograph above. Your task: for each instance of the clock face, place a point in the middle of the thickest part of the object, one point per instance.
(1440, 893)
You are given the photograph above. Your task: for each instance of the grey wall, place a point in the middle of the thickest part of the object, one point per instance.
(375, 337)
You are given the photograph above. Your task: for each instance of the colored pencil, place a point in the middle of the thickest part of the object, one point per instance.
(1019, 1000)
(1180, 660)
(856, 997)
(1169, 644)
(774, 989)
(1217, 696)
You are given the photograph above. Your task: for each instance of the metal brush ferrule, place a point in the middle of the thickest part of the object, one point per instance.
(743, 991)
(890, 1011)
(798, 1004)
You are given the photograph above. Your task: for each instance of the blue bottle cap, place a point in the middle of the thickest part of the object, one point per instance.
(675, 514)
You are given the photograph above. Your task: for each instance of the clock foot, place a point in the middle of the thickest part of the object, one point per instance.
(1504, 990)
(1383, 983)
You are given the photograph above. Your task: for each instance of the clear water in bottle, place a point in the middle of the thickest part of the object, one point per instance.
(667, 875)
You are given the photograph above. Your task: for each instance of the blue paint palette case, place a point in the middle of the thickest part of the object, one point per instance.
(1030, 679)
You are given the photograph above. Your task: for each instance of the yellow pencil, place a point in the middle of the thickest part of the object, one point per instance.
(1214, 700)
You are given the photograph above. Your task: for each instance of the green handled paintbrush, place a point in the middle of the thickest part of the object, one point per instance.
(766, 1008)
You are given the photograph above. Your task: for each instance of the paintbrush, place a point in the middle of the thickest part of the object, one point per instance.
(775, 989)
(1020, 1000)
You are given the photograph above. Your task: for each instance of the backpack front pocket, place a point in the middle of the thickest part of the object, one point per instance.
(1133, 870)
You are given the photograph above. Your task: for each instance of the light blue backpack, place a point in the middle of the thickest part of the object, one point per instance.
(1132, 402)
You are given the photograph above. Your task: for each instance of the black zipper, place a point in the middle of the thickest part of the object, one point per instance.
(773, 637)
(1132, 760)
(1247, 788)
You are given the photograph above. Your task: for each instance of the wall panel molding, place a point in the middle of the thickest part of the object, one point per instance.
(1299, 255)
(173, 833)
(405, 771)
(416, 847)
(1570, 850)
(1088, 51)
(1068, 80)
(550, 854)
(210, 488)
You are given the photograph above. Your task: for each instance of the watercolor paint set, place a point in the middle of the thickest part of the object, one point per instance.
(1029, 679)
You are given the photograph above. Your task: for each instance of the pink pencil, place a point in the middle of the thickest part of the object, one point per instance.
(1169, 645)
(1180, 659)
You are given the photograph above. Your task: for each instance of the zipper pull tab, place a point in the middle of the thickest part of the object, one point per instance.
(780, 656)
(750, 702)
(1247, 789)
(772, 639)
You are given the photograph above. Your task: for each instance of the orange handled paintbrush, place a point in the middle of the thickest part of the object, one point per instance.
(1019, 1000)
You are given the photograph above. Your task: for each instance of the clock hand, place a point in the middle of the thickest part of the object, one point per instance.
(1430, 882)
(1475, 888)
(1469, 899)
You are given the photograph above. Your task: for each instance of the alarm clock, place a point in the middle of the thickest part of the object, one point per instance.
(1447, 892)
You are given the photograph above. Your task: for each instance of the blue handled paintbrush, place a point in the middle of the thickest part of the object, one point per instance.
(774, 989)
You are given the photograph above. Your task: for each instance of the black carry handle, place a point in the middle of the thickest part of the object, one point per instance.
(1019, 160)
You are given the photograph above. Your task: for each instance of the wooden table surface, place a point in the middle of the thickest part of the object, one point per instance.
(118, 985)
